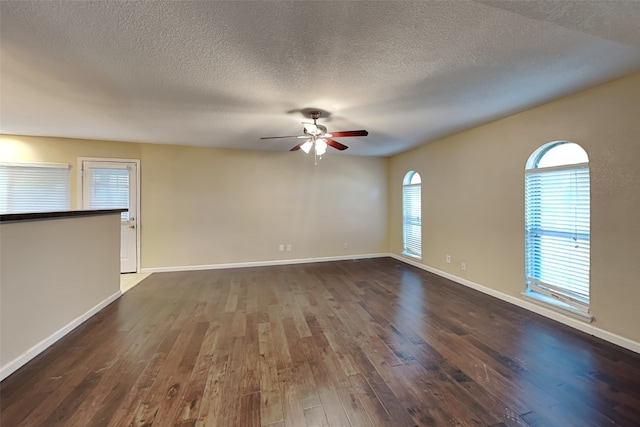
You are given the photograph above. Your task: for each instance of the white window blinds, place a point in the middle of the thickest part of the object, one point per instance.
(109, 189)
(34, 187)
(557, 227)
(412, 219)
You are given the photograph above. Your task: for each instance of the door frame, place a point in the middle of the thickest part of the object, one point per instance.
(80, 184)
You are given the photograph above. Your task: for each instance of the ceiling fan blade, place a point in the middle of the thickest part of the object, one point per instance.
(276, 137)
(350, 133)
(297, 147)
(335, 144)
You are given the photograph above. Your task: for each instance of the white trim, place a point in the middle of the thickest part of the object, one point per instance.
(410, 255)
(19, 361)
(38, 165)
(557, 168)
(259, 263)
(549, 294)
(578, 323)
(558, 304)
(79, 193)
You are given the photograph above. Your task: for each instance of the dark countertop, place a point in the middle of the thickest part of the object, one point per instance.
(31, 216)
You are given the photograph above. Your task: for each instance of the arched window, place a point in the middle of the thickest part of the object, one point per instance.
(412, 214)
(557, 225)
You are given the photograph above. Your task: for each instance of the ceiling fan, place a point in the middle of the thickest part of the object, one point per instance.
(317, 137)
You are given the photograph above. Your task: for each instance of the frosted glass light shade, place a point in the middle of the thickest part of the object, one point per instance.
(321, 147)
(306, 146)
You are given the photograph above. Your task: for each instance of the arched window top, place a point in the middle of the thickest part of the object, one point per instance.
(557, 153)
(412, 177)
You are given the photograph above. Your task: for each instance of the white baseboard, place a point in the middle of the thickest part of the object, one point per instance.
(16, 363)
(259, 263)
(568, 320)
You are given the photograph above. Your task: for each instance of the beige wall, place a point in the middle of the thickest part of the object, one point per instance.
(44, 288)
(210, 206)
(203, 206)
(473, 197)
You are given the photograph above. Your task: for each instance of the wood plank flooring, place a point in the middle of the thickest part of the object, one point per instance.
(354, 343)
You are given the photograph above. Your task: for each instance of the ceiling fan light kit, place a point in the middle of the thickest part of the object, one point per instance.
(318, 137)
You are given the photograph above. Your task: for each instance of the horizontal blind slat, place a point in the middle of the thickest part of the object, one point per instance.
(412, 218)
(34, 187)
(557, 231)
(109, 189)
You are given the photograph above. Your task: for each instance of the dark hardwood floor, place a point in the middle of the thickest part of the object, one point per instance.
(355, 343)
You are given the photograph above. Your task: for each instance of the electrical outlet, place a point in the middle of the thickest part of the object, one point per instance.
(448, 259)
(281, 248)
(346, 245)
(463, 265)
(289, 248)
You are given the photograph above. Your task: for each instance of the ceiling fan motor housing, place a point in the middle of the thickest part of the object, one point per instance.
(314, 129)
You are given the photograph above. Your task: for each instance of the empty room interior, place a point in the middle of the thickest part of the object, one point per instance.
(320, 213)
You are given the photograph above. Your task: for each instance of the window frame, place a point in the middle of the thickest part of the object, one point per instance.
(412, 241)
(546, 217)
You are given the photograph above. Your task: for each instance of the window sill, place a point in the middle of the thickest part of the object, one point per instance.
(410, 255)
(558, 306)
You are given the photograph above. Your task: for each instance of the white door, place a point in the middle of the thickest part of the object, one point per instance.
(112, 185)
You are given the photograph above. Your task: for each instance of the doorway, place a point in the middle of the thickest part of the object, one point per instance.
(114, 184)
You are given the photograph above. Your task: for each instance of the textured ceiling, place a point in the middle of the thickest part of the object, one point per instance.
(224, 74)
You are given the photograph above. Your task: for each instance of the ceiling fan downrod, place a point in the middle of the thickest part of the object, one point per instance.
(315, 115)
